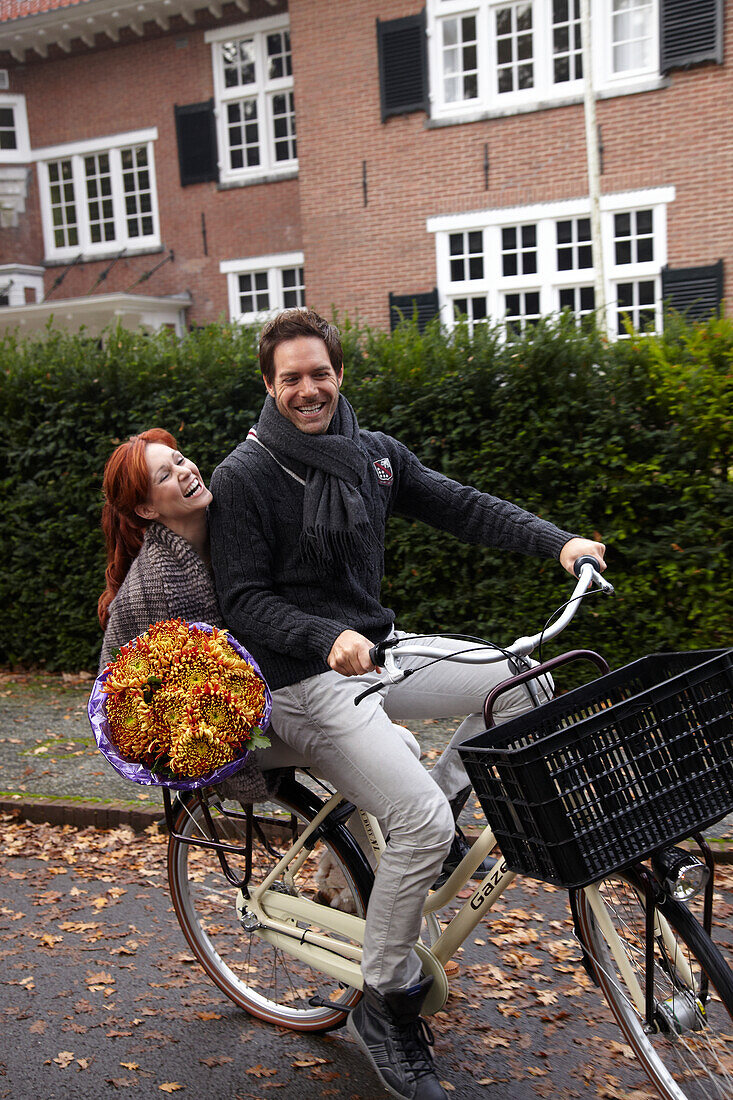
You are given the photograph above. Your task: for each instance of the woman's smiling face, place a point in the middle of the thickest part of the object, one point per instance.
(176, 489)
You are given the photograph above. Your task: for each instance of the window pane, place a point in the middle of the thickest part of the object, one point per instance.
(625, 293)
(456, 271)
(646, 293)
(99, 183)
(564, 232)
(459, 59)
(623, 252)
(622, 223)
(509, 264)
(585, 256)
(587, 299)
(243, 134)
(138, 193)
(632, 30)
(283, 120)
(644, 250)
(8, 139)
(238, 60)
(62, 204)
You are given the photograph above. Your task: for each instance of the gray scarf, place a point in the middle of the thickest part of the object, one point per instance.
(336, 527)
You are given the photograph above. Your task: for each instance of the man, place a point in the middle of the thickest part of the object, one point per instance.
(297, 538)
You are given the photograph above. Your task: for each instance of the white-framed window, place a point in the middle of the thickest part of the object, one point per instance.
(494, 55)
(260, 286)
(15, 146)
(99, 196)
(512, 266)
(255, 104)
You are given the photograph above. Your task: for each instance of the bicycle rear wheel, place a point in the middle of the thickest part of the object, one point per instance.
(256, 975)
(689, 1055)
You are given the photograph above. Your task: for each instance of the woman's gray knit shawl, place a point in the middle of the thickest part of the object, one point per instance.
(167, 580)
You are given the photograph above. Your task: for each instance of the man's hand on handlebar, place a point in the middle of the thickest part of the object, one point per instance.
(578, 548)
(350, 654)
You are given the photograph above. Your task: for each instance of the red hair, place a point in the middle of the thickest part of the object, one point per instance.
(126, 485)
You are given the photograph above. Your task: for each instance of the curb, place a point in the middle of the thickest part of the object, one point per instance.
(100, 815)
(112, 815)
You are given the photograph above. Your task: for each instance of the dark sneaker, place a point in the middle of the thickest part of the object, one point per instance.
(397, 1042)
(458, 850)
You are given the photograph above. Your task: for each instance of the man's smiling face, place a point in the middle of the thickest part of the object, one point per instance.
(305, 386)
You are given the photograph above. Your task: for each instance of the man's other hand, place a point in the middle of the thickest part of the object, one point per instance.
(350, 654)
(578, 548)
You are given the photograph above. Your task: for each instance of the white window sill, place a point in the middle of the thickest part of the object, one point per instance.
(227, 183)
(478, 114)
(93, 257)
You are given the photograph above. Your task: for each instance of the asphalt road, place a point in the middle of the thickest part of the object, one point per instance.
(99, 995)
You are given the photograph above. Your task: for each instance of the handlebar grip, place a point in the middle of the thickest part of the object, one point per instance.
(376, 654)
(586, 560)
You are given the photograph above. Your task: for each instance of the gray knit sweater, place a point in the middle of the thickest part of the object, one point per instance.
(167, 580)
(289, 612)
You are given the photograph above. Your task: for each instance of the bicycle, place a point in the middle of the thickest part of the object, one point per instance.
(245, 880)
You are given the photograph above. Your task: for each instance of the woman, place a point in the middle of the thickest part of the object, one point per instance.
(154, 523)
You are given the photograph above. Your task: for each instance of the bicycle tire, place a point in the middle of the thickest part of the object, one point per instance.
(691, 1056)
(253, 973)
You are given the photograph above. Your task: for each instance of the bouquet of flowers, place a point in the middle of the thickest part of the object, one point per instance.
(180, 706)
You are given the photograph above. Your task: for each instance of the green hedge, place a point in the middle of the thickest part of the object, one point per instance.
(632, 441)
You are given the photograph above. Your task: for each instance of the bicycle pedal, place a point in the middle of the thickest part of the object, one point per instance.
(319, 1002)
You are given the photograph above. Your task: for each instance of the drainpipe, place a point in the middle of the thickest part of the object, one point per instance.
(594, 168)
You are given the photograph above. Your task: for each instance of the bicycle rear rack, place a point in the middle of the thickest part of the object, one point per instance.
(253, 827)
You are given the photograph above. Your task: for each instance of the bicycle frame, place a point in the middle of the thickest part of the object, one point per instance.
(279, 917)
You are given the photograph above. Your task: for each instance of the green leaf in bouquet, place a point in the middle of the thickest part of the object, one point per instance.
(257, 739)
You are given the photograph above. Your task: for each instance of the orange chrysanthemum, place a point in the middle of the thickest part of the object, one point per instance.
(198, 750)
(168, 712)
(248, 694)
(166, 640)
(132, 668)
(130, 724)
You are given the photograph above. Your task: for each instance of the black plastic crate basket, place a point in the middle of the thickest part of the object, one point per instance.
(607, 773)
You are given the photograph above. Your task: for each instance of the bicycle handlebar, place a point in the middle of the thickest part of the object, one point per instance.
(381, 655)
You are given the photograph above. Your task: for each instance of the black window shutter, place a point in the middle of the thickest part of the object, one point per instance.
(196, 134)
(403, 306)
(695, 291)
(691, 33)
(403, 65)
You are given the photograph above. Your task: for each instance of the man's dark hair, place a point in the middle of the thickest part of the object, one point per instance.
(290, 324)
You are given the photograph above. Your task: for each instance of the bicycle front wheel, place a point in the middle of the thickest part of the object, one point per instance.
(688, 1053)
(258, 976)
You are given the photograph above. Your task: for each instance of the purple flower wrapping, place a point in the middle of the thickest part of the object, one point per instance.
(138, 773)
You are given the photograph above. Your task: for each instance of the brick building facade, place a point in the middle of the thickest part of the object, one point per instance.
(149, 165)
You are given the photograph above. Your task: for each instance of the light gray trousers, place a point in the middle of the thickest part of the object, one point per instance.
(375, 763)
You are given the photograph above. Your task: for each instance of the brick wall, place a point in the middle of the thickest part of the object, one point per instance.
(131, 87)
(355, 254)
